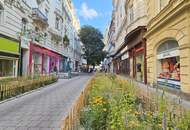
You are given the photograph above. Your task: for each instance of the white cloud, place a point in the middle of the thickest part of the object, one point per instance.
(87, 13)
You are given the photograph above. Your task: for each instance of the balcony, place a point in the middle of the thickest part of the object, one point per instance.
(39, 17)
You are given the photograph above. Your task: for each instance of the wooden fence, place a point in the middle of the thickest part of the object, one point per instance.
(13, 87)
(71, 122)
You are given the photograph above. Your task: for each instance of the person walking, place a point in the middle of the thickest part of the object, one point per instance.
(68, 68)
(55, 70)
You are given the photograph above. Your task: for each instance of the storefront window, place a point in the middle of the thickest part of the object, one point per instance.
(140, 68)
(1, 14)
(168, 62)
(8, 68)
(37, 63)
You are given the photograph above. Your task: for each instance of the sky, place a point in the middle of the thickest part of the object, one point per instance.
(94, 12)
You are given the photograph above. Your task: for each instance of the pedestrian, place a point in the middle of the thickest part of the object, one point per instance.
(55, 70)
(68, 69)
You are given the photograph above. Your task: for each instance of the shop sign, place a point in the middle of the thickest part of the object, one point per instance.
(139, 49)
(169, 82)
(9, 46)
(168, 54)
(125, 56)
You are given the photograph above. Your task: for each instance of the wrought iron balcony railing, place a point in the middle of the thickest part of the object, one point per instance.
(37, 14)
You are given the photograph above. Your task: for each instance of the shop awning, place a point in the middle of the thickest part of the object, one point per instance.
(42, 50)
(9, 46)
(132, 38)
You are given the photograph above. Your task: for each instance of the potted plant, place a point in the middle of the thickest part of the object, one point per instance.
(65, 40)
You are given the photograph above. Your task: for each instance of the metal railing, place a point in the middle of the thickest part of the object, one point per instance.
(36, 12)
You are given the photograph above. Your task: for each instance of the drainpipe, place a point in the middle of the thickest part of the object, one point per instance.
(19, 60)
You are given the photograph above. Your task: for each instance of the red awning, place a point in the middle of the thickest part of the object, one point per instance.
(42, 50)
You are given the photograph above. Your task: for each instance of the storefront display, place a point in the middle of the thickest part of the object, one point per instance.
(168, 65)
(42, 60)
(169, 72)
(37, 63)
(140, 68)
(9, 56)
(8, 68)
(125, 64)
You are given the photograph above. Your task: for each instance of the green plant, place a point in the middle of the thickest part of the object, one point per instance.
(125, 108)
(65, 40)
(15, 86)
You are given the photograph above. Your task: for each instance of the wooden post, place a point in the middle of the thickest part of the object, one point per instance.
(164, 122)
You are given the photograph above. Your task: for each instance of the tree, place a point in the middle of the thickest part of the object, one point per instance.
(92, 45)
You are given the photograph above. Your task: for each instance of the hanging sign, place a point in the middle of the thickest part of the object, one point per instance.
(125, 56)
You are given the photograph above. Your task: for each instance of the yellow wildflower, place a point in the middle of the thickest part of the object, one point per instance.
(104, 109)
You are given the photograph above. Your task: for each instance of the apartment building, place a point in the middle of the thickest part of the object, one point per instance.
(168, 43)
(155, 48)
(109, 41)
(131, 20)
(46, 35)
(13, 19)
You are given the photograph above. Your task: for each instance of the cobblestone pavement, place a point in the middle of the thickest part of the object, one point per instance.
(43, 109)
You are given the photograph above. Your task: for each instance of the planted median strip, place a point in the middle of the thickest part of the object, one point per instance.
(116, 104)
(16, 86)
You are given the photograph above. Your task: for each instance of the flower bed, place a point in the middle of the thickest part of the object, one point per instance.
(115, 104)
(15, 86)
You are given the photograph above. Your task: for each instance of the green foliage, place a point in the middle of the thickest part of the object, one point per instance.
(93, 45)
(65, 40)
(11, 87)
(114, 104)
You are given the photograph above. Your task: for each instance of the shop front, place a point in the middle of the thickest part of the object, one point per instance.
(43, 61)
(137, 54)
(9, 57)
(63, 64)
(125, 64)
(168, 47)
(139, 62)
(117, 65)
(168, 64)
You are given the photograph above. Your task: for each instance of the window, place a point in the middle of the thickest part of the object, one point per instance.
(24, 24)
(46, 13)
(8, 68)
(131, 14)
(168, 64)
(57, 21)
(1, 14)
(168, 45)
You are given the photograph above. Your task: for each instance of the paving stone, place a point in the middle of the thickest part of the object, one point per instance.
(43, 109)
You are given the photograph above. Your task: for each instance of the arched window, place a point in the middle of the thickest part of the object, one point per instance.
(1, 13)
(24, 24)
(167, 46)
(168, 64)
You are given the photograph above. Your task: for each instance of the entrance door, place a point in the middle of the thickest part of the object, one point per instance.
(139, 70)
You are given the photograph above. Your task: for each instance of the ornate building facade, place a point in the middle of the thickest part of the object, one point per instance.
(44, 34)
(168, 43)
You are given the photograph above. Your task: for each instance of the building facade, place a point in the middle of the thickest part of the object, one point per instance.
(43, 36)
(168, 43)
(155, 48)
(130, 51)
(109, 41)
(12, 18)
